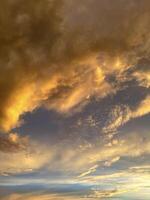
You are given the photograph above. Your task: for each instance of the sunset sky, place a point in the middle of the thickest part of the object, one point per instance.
(74, 99)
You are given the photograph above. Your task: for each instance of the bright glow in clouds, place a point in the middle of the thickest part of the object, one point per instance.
(57, 74)
(74, 99)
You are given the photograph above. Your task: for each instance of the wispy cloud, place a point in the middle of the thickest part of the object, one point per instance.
(122, 114)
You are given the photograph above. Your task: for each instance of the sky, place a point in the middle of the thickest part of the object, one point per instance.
(74, 100)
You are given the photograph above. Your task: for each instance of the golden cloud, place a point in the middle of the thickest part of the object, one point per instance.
(122, 114)
(21, 155)
(48, 58)
(40, 196)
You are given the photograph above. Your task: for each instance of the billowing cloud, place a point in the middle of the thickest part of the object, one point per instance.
(49, 58)
(62, 55)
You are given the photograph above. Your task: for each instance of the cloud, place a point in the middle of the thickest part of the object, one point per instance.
(40, 196)
(12, 143)
(91, 170)
(80, 161)
(60, 55)
(123, 183)
(49, 58)
(143, 77)
(130, 182)
(122, 114)
(143, 108)
(97, 194)
(21, 155)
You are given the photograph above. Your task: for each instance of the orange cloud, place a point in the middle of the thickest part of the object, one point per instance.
(48, 58)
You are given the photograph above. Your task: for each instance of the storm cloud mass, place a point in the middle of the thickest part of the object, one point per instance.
(81, 69)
